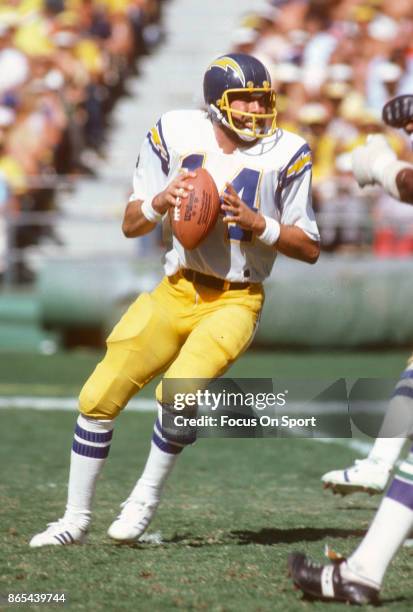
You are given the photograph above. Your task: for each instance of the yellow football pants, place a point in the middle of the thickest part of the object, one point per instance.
(185, 330)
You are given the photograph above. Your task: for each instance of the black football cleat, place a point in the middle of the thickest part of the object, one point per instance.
(325, 582)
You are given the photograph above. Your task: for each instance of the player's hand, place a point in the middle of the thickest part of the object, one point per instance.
(238, 212)
(174, 193)
(369, 161)
(398, 111)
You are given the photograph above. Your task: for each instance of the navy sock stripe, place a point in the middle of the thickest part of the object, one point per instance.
(166, 447)
(401, 492)
(93, 436)
(403, 392)
(95, 452)
(159, 431)
(407, 374)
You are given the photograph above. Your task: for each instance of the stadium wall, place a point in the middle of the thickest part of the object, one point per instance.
(340, 302)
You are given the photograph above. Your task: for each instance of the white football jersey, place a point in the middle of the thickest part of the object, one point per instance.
(273, 176)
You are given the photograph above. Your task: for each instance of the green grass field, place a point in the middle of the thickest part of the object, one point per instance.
(232, 511)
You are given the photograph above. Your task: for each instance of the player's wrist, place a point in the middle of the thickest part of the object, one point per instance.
(258, 225)
(389, 177)
(150, 211)
(271, 231)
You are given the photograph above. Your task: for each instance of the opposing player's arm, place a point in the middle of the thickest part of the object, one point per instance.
(404, 181)
(376, 163)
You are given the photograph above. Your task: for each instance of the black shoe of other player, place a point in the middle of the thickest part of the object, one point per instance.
(325, 582)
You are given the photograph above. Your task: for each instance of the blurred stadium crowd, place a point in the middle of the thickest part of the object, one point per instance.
(63, 64)
(334, 64)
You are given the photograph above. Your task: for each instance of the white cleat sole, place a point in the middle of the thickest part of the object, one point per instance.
(120, 538)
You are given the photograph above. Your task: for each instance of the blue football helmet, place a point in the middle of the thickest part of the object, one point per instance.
(238, 73)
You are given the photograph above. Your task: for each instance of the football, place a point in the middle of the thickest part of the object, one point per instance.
(198, 213)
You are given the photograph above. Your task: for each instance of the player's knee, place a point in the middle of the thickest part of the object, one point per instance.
(94, 404)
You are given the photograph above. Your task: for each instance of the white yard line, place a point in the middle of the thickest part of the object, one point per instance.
(70, 404)
(27, 402)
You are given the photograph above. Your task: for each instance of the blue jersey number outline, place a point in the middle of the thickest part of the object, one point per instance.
(245, 183)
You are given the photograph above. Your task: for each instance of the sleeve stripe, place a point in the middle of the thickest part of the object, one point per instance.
(297, 166)
(165, 147)
(158, 145)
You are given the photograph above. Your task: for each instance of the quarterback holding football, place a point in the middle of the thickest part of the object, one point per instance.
(203, 314)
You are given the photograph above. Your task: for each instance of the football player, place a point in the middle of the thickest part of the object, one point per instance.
(358, 579)
(203, 314)
(376, 163)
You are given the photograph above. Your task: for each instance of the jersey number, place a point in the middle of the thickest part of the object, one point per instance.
(245, 184)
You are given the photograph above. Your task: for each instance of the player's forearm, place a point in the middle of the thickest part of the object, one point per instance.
(404, 182)
(134, 221)
(295, 243)
(376, 163)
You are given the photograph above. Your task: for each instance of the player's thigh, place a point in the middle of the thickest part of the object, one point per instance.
(140, 346)
(212, 346)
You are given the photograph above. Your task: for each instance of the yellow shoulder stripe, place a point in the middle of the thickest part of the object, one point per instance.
(299, 164)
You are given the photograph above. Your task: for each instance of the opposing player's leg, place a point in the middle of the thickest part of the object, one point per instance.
(214, 343)
(371, 475)
(359, 579)
(140, 346)
(365, 475)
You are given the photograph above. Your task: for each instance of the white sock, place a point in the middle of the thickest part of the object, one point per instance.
(90, 448)
(387, 450)
(389, 529)
(160, 463)
(397, 423)
(157, 469)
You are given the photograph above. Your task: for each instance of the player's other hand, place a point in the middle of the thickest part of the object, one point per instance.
(236, 211)
(369, 161)
(175, 192)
